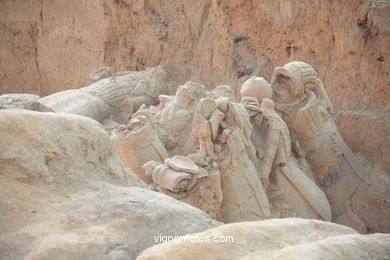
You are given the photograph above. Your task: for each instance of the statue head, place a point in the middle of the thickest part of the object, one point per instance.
(206, 107)
(256, 87)
(187, 93)
(222, 91)
(290, 82)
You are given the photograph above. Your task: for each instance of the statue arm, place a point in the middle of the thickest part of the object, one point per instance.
(270, 152)
(201, 127)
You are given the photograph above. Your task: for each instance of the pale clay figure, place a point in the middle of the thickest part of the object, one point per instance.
(180, 178)
(176, 112)
(288, 187)
(202, 127)
(256, 87)
(300, 193)
(301, 99)
(174, 117)
(138, 143)
(111, 94)
(101, 73)
(204, 190)
(278, 145)
(249, 166)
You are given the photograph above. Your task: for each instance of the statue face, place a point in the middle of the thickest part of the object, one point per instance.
(283, 90)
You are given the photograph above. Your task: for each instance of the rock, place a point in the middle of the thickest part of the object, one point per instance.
(277, 239)
(182, 163)
(118, 224)
(65, 193)
(356, 126)
(48, 147)
(20, 101)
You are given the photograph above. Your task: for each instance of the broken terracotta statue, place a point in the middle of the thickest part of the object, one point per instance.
(111, 97)
(205, 149)
(275, 153)
(301, 100)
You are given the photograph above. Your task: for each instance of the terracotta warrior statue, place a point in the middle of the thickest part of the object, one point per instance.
(301, 99)
(299, 191)
(109, 92)
(291, 190)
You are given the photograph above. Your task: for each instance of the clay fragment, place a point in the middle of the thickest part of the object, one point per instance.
(182, 163)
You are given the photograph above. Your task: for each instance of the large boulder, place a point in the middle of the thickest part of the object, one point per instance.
(19, 101)
(276, 239)
(59, 152)
(66, 195)
(118, 224)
